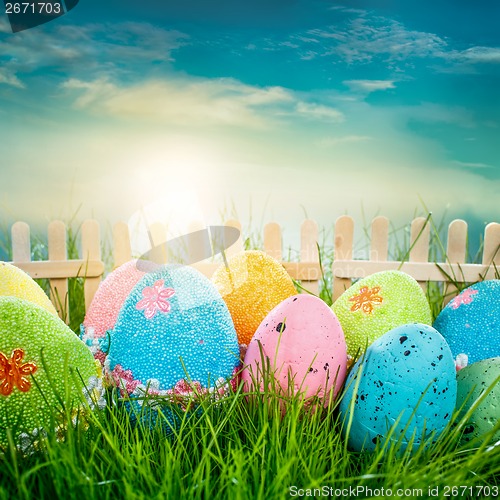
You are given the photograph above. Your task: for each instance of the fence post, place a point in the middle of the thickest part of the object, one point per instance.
(122, 251)
(344, 238)
(273, 243)
(379, 247)
(419, 243)
(491, 248)
(456, 249)
(58, 252)
(309, 252)
(238, 246)
(158, 239)
(91, 251)
(21, 244)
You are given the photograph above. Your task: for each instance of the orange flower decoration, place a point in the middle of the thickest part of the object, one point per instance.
(366, 299)
(13, 372)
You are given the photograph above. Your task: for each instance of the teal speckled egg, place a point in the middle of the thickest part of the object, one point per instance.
(41, 362)
(470, 322)
(405, 383)
(174, 338)
(376, 304)
(473, 381)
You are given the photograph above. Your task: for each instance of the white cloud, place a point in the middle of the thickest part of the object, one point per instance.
(478, 55)
(369, 85)
(471, 164)
(89, 49)
(320, 112)
(9, 78)
(365, 37)
(198, 102)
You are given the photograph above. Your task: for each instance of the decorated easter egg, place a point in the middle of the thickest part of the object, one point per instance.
(403, 388)
(16, 283)
(251, 285)
(42, 362)
(174, 338)
(470, 322)
(302, 342)
(378, 303)
(106, 304)
(480, 381)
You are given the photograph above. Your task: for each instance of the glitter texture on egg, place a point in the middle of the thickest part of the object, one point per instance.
(406, 378)
(16, 283)
(41, 360)
(106, 304)
(173, 337)
(252, 285)
(470, 322)
(473, 382)
(376, 304)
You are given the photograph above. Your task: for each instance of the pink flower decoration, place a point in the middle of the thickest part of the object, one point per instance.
(466, 297)
(124, 379)
(183, 393)
(155, 299)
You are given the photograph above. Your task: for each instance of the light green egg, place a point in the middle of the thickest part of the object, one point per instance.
(473, 381)
(377, 304)
(42, 362)
(16, 283)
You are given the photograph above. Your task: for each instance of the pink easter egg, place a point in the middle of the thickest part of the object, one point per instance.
(108, 300)
(302, 342)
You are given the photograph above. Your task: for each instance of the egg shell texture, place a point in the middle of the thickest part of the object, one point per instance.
(174, 325)
(252, 285)
(378, 303)
(470, 322)
(302, 337)
(472, 381)
(16, 283)
(409, 370)
(40, 335)
(109, 298)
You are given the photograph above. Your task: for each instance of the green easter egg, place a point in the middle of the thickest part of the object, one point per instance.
(377, 304)
(42, 362)
(472, 381)
(16, 283)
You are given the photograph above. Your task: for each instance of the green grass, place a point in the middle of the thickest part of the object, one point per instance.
(241, 447)
(238, 448)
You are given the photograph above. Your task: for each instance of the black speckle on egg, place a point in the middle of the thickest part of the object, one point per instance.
(469, 429)
(440, 357)
(281, 327)
(406, 353)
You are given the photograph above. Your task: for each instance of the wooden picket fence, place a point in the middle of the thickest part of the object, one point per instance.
(58, 269)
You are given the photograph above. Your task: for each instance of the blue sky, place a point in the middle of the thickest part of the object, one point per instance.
(271, 106)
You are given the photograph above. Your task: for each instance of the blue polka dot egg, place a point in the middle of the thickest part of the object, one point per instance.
(403, 390)
(173, 341)
(470, 322)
